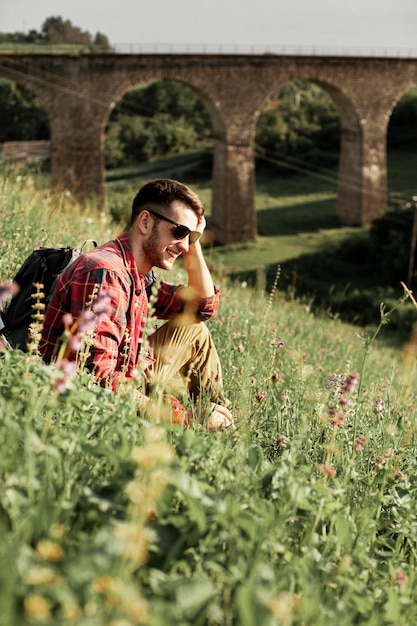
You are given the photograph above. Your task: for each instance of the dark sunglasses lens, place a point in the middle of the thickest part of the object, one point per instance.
(181, 231)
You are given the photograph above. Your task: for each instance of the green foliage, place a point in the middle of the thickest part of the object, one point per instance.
(22, 114)
(55, 30)
(391, 246)
(159, 119)
(301, 123)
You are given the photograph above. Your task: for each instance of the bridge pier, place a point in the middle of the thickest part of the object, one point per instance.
(362, 184)
(77, 154)
(233, 203)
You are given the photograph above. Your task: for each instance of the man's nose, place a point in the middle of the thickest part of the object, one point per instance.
(184, 244)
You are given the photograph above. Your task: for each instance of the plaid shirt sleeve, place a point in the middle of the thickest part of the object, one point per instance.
(169, 303)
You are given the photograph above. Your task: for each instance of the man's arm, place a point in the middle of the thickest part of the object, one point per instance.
(199, 277)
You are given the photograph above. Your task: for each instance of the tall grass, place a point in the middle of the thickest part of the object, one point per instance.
(304, 515)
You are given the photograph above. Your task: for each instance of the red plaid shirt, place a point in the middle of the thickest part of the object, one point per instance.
(111, 268)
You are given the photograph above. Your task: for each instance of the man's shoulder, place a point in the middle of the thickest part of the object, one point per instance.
(106, 256)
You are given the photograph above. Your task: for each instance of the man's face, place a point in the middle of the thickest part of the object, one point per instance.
(161, 248)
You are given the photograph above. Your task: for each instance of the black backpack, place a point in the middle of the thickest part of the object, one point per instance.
(42, 266)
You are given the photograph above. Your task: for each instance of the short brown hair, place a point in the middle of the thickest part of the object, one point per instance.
(161, 193)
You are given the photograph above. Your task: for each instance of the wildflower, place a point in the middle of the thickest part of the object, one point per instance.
(135, 540)
(71, 611)
(344, 401)
(241, 348)
(261, 396)
(37, 607)
(379, 407)
(397, 474)
(275, 377)
(7, 291)
(68, 369)
(280, 440)
(152, 454)
(39, 576)
(327, 470)
(49, 550)
(401, 578)
(351, 382)
(283, 605)
(382, 459)
(57, 531)
(360, 441)
(102, 585)
(338, 420)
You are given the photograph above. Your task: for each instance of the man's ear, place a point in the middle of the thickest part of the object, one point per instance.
(144, 223)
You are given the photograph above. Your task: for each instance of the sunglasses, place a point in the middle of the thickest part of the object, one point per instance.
(180, 231)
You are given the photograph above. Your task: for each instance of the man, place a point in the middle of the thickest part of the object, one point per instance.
(167, 220)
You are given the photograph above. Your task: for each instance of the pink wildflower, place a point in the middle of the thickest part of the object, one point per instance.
(327, 470)
(261, 396)
(67, 369)
(7, 291)
(401, 578)
(379, 407)
(338, 420)
(280, 440)
(360, 441)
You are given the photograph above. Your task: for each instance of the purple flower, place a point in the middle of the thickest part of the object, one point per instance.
(68, 369)
(280, 440)
(261, 396)
(7, 291)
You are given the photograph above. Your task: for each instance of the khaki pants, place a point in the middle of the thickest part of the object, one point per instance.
(186, 361)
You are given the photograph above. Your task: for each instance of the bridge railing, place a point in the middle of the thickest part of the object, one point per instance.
(213, 48)
(256, 49)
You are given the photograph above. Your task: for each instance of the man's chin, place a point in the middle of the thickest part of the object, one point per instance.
(166, 264)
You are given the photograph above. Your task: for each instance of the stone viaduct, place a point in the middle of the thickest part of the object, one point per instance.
(80, 91)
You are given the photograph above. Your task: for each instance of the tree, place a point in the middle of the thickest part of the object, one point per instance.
(22, 115)
(300, 123)
(55, 30)
(162, 118)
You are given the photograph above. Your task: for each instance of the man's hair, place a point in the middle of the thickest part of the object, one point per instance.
(160, 194)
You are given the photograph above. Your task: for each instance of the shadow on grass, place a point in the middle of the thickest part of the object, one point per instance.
(309, 217)
(344, 281)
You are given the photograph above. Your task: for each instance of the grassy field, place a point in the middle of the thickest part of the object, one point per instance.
(305, 516)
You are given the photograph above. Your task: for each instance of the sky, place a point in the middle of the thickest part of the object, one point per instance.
(359, 25)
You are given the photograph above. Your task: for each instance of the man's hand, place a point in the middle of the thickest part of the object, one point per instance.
(201, 224)
(215, 416)
(220, 418)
